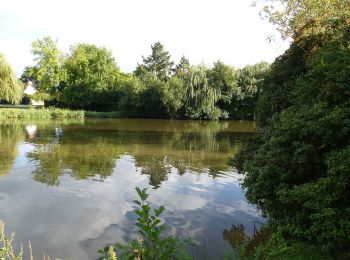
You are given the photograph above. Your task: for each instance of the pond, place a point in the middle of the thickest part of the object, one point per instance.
(68, 186)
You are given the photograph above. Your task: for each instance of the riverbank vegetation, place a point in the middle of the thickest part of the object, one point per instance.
(42, 113)
(297, 166)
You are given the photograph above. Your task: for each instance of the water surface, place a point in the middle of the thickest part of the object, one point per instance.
(68, 186)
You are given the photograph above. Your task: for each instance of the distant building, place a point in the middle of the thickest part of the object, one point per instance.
(30, 90)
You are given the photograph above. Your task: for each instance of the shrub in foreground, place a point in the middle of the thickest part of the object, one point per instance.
(152, 244)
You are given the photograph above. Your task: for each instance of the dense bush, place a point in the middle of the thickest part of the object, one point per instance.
(298, 167)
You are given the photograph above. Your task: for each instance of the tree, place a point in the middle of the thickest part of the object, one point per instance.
(248, 88)
(224, 78)
(173, 97)
(129, 96)
(293, 17)
(11, 89)
(201, 97)
(182, 69)
(92, 78)
(47, 70)
(151, 98)
(158, 63)
(155, 71)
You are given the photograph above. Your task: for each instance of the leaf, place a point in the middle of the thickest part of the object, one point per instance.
(161, 209)
(139, 213)
(138, 191)
(137, 202)
(155, 223)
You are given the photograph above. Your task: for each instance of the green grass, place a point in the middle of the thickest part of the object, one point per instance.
(25, 112)
(113, 114)
(39, 113)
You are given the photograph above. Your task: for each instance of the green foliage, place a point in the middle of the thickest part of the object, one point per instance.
(248, 89)
(48, 68)
(277, 247)
(158, 63)
(88, 78)
(150, 98)
(224, 78)
(11, 89)
(266, 245)
(129, 96)
(92, 78)
(182, 69)
(297, 167)
(152, 245)
(198, 92)
(40, 113)
(41, 96)
(294, 17)
(201, 97)
(173, 97)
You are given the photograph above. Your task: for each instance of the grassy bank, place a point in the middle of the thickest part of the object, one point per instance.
(39, 113)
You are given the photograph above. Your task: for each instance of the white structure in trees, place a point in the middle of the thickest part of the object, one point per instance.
(30, 89)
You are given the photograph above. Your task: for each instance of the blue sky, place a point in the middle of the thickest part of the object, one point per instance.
(202, 30)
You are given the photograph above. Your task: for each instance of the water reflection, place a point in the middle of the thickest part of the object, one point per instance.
(238, 236)
(10, 136)
(31, 131)
(81, 161)
(89, 150)
(74, 181)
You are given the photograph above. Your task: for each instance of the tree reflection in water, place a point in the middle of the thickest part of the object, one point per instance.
(91, 149)
(81, 161)
(10, 136)
(237, 237)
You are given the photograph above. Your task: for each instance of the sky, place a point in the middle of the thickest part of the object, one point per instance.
(202, 30)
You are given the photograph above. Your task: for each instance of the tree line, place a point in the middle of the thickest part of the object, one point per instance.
(88, 78)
